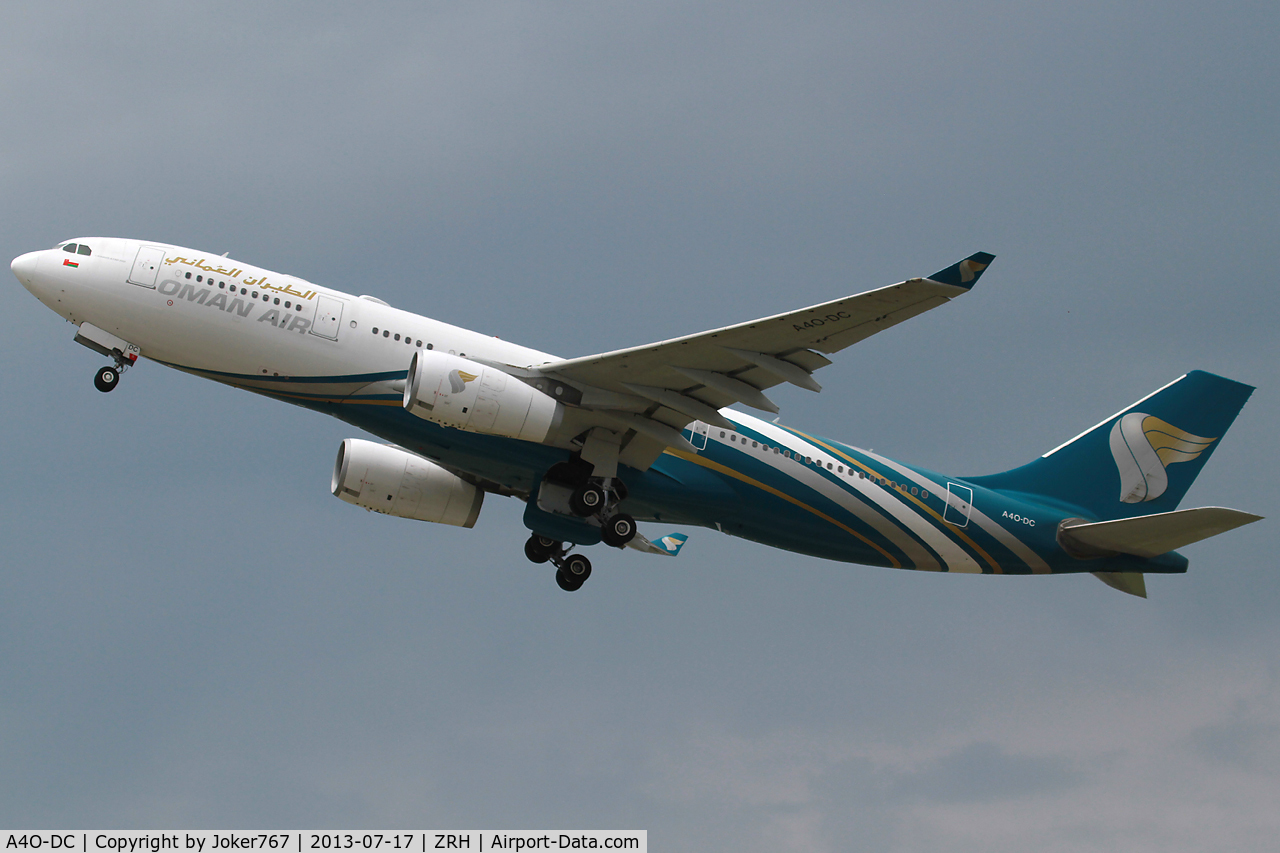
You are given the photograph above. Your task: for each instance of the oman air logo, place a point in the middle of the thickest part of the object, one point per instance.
(969, 269)
(1143, 446)
(458, 380)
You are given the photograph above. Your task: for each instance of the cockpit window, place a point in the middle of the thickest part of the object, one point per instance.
(70, 247)
(84, 250)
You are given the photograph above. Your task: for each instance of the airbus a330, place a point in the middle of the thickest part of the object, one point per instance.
(594, 444)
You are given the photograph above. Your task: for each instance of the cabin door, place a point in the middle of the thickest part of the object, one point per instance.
(146, 266)
(328, 317)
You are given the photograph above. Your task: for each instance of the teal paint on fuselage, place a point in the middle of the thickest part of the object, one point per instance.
(765, 497)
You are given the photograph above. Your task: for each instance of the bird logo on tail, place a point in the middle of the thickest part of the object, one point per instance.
(1144, 446)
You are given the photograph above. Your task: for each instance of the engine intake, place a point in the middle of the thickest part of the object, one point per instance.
(463, 394)
(387, 479)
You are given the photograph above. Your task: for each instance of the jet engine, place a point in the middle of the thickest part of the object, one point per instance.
(460, 393)
(387, 479)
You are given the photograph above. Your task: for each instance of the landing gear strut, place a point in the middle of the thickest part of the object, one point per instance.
(572, 570)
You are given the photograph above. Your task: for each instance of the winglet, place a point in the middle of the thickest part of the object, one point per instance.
(668, 545)
(966, 273)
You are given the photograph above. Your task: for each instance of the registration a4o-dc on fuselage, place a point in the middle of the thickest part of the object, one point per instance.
(595, 444)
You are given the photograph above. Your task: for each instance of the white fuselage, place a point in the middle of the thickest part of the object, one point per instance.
(217, 315)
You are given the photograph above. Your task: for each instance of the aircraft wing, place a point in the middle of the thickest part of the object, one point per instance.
(684, 379)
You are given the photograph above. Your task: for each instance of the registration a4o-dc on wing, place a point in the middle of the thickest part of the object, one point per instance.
(674, 382)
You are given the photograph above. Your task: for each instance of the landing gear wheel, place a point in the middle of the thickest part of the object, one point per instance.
(106, 379)
(619, 530)
(539, 549)
(573, 572)
(587, 500)
(536, 551)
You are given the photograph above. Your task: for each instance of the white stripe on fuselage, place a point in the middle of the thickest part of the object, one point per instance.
(1004, 537)
(955, 558)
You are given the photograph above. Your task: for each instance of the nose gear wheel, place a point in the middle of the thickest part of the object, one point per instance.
(106, 379)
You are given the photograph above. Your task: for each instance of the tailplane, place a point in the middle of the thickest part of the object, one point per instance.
(1149, 535)
(1141, 460)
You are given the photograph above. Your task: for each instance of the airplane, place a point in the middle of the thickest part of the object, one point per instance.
(594, 444)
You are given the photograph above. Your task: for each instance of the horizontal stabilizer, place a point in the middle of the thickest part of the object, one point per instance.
(1152, 535)
(668, 545)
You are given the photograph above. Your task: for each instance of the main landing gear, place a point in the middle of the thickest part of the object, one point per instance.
(596, 498)
(572, 570)
(569, 488)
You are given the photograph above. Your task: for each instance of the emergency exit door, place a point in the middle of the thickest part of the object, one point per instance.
(959, 501)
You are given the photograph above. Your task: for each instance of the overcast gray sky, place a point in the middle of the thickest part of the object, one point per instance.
(195, 634)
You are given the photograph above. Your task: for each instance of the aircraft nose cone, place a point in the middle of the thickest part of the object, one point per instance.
(24, 267)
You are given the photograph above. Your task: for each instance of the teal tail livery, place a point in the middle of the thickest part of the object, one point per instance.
(594, 445)
(1139, 461)
(1130, 472)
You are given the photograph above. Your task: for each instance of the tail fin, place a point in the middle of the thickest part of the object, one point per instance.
(1140, 460)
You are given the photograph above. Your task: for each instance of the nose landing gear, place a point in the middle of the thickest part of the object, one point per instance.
(106, 379)
(120, 351)
(572, 570)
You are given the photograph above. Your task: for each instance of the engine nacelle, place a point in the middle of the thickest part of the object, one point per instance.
(460, 393)
(394, 481)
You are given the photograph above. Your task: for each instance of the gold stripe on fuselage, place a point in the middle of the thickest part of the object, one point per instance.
(960, 534)
(737, 475)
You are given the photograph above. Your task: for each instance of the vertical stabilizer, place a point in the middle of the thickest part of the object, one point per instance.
(1139, 461)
